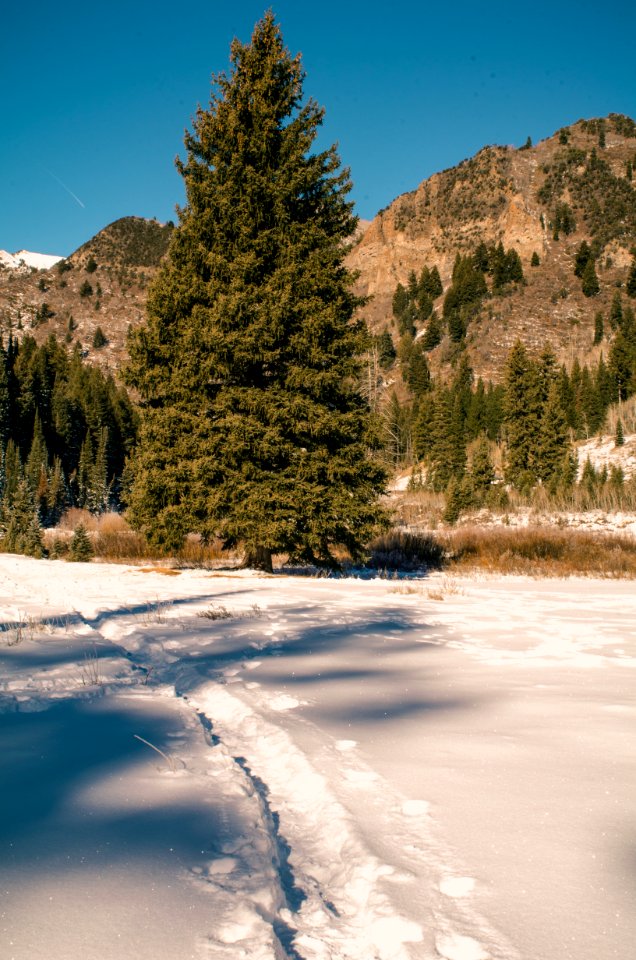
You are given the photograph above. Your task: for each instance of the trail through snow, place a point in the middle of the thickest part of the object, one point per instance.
(328, 770)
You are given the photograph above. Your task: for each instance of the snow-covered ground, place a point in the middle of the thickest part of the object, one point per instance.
(348, 769)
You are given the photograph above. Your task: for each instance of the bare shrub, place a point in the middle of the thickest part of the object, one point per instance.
(405, 551)
(72, 518)
(218, 611)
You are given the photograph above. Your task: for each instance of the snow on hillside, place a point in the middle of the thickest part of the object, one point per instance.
(206, 767)
(603, 452)
(25, 260)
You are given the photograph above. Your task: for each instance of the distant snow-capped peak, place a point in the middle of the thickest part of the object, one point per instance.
(25, 259)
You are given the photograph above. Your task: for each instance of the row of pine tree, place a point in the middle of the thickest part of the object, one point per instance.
(66, 430)
(452, 427)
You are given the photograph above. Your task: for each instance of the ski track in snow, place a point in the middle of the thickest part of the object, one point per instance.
(330, 862)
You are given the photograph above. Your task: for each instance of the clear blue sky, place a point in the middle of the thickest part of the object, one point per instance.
(95, 97)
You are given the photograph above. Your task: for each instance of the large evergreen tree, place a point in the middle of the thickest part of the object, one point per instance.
(253, 428)
(522, 412)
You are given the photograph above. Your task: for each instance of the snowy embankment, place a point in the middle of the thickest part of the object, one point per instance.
(203, 766)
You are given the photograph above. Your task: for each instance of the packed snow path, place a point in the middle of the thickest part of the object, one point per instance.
(202, 766)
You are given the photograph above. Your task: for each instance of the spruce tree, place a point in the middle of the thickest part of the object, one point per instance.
(631, 280)
(589, 280)
(616, 311)
(81, 548)
(385, 348)
(253, 428)
(582, 258)
(553, 448)
(598, 329)
(522, 417)
(482, 470)
(621, 365)
(433, 333)
(417, 374)
(619, 436)
(21, 526)
(5, 400)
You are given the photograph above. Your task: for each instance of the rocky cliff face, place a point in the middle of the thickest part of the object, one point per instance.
(513, 196)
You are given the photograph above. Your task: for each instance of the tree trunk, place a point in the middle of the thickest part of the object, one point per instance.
(259, 558)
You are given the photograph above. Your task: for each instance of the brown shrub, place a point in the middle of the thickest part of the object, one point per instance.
(542, 551)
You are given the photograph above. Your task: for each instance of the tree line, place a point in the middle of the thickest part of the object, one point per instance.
(452, 428)
(66, 430)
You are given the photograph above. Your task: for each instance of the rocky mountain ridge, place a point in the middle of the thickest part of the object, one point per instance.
(515, 197)
(101, 286)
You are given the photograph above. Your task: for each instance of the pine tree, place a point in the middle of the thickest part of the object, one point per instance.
(534, 260)
(582, 258)
(621, 366)
(99, 339)
(589, 280)
(598, 329)
(513, 268)
(446, 456)
(81, 549)
(85, 471)
(616, 311)
(418, 375)
(481, 467)
(21, 525)
(522, 406)
(5, 400)
(553, 445)
(463, 297)
(619, 437)
(396, 429)
(433, 333)
(253, 427)
(386, 350)
(630, 286)
(38, 459)
(13, 471)
(431, 282)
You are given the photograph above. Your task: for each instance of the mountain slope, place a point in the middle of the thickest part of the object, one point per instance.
(515, 197)
(102, 284)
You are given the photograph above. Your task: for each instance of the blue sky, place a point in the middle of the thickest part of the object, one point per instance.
(95, 98)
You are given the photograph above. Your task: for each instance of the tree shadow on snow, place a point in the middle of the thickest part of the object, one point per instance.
(365, 669)
(53, 815)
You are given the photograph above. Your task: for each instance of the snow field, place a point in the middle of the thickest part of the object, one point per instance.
(351, 772)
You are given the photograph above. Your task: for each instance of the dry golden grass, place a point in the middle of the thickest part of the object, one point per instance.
(116, 542)
(540, 551)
